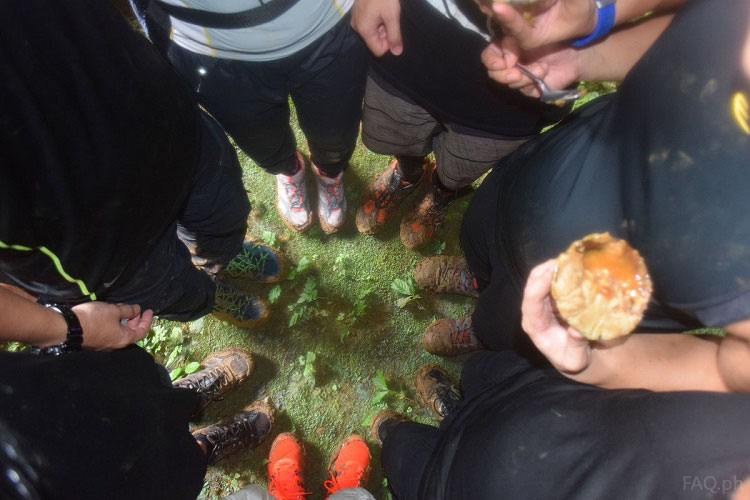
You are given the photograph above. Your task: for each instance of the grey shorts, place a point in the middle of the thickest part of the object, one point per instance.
(392, 125)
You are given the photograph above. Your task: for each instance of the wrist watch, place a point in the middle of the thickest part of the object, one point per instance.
(74, 337)
(605, 19)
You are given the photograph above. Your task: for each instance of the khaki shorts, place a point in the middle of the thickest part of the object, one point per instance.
(392, 125)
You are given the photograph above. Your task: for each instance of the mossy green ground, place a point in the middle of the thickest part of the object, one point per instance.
(338, 402)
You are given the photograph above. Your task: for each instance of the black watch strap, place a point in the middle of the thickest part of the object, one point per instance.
(74, 338)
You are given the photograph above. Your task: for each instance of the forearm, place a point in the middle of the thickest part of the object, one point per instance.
(659, 362)
(627, 10)
(613, 57)
(23, 320)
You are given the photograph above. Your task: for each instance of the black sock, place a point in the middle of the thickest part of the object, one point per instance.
(410, 167)
(330, 171)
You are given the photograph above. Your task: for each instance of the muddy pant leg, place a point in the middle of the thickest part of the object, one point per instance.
(464, 155)
(406, 449)
(214, 220)
(393, 125)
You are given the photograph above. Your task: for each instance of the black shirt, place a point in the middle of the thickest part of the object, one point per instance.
(441, 70)
(98, 145)
(663, 164)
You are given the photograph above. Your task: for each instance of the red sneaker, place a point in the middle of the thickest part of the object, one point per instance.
(349, 466)
(285, 463)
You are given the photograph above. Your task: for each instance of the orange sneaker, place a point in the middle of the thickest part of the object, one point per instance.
(285, 463)
(349, 466)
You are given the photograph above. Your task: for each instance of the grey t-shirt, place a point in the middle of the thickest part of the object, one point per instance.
(294, 30)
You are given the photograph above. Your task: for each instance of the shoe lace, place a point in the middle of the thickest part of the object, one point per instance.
(207, 382)
(293, 190)
(247, 262)
(286, 483)
(333, 485)
(334, 195)
(464, 333)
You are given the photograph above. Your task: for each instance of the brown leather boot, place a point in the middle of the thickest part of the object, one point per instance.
(222, 370)
(445, 274)
(436, 392)
(451, 337)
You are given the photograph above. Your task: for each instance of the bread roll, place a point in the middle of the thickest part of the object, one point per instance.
(601, 286)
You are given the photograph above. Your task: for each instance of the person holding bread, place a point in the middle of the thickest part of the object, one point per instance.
(660, 164)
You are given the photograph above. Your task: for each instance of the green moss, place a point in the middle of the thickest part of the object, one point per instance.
(338, 403)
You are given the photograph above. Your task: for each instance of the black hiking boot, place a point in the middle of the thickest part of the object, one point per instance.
(245, 430)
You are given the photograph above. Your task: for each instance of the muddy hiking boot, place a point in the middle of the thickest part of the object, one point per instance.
(255, 262)
(237, 307)
(291, 198)
(444, 274)
(436, 392)
(451, 337)
(245, 430)
(382, 422)
(331, 201)
(222, 371)
(349, 466)
(383, 197)
(419, 225)
(285, 464)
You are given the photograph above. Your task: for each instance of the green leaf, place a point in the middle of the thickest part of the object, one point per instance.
(274, 294)
(379, 381)
(310, 356)
(269, 238)
(303, 264)
(379, 397)
(403, 287)
(343, 335)
(176, 373)
(192, 367)
(340, 316)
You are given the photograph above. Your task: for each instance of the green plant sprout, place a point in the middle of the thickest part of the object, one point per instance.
(407, 289)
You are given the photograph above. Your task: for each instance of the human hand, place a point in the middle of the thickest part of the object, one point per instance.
(102, 330)
(565, 348)
(558, 65)
(550, 21)
(378, 22)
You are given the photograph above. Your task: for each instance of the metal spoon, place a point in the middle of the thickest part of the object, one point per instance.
(558, 97)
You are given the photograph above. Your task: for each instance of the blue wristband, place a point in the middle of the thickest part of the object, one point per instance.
(605, 19)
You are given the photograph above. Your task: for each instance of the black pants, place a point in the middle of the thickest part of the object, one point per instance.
(251, 99)
(100, 424)
(208, 233)
(523, 432)
(409, 445)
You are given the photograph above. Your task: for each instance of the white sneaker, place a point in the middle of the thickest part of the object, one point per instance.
(291, 198)
(331, 200)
